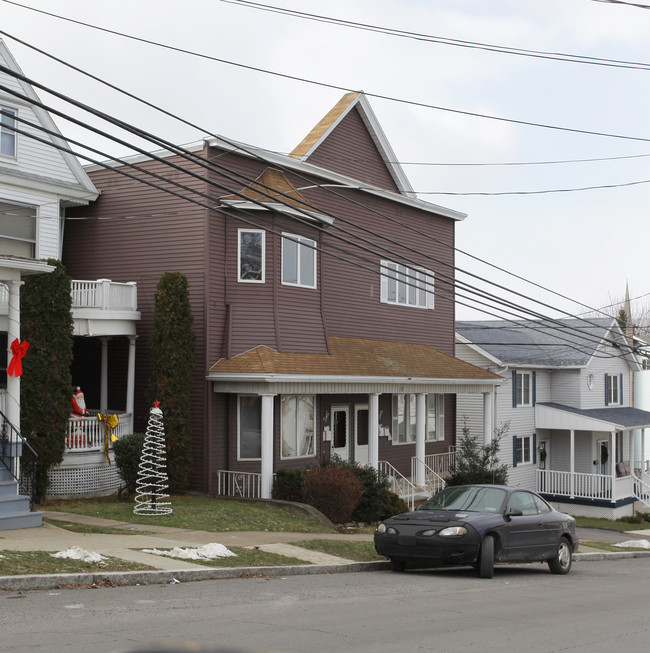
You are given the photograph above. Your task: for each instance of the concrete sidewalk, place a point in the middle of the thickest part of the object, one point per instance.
(54, 538)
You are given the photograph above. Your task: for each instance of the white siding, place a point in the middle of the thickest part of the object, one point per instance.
(607, 360)
(565, 388)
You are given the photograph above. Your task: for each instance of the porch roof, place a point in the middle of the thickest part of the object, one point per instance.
(358, 362)
(620, 418)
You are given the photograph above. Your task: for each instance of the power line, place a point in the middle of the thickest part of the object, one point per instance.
(424, 105)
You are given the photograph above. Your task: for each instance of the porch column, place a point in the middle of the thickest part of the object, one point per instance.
(130, 378)
(572, 463)
(420, 437)
(267, 446)
(373, 430)
(103, 397)
(643, 462)
(612, 463)
(13, 332)
(487, 417)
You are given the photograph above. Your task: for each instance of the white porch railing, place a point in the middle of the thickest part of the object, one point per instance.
(587, 486)
(433, 482)
(247, 485)
(87, 433)
(399, 484)
(104, 294)
(441, 464)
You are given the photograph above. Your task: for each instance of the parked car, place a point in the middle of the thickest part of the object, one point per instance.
(479, 525)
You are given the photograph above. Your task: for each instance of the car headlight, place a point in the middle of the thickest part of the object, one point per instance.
(429, 533)
(381, 528)
(453, 531)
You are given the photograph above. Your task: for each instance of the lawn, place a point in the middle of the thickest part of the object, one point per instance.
(196, 513)
(357, 551)
(16, 563)
(610, 524)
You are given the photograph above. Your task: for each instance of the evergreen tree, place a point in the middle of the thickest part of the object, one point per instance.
(46, 383)
(476, 463)
(172, 354)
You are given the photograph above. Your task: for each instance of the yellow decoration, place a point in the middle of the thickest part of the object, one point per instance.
(110, 422)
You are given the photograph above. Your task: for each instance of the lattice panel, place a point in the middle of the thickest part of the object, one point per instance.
(88, 480)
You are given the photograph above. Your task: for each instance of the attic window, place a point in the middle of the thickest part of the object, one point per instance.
(17, 230)
(7, 133)
(251, 255)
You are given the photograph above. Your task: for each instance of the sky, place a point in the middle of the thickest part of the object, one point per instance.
(561, 252)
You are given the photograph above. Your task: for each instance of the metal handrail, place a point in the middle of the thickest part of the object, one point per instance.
(12, 448)
(433, 482)
(399, 484)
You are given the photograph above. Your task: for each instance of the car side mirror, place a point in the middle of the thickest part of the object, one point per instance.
(514, 512)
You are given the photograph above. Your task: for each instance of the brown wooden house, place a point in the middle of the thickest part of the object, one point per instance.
(322, 293)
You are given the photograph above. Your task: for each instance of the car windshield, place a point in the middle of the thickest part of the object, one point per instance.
(470, 498)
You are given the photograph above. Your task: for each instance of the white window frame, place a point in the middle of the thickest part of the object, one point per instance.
(404, 418)
(521, 448)
(613, 390)
(21, 213)
(6, 130)
(304, 245)
(435, 404)
(524, 381)
(402, 285)
(239, 426)
(240, 234)
(309, 439)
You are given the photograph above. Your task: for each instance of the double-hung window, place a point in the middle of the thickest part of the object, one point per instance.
(523, 388)
(298, 261)
(406, 286)
(523, 452)
(613, 389)
(251, 255)
(7, 133)
(405, 418)
(298, 426)
(17, 230)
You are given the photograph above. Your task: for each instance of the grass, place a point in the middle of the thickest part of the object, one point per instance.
(611, 524)
(607, 546)
(357, 551)
(197, 513)
(16, 563)
(89, 528)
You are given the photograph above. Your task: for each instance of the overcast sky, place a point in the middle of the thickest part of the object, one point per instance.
(582, 244)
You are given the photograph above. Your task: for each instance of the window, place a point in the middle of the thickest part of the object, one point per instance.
(249, 421)
(406, 286)
(523, 389)
(523, 450)
(405, 421)
(613, 389)
(251, 255)
(298, 426)
(7, 133)
(17, 230)
(524, 501)
(298, 261)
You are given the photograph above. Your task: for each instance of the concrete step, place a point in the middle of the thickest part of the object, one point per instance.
(22, 519)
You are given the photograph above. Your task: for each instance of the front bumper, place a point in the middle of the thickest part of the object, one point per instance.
(433, 550)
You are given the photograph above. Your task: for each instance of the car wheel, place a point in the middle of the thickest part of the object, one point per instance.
(561, 562)
(397, 565)
(486, 558)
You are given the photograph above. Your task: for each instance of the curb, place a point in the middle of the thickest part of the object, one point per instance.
(167, 577)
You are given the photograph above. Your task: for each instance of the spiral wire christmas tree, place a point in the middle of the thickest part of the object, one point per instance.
(152, 481)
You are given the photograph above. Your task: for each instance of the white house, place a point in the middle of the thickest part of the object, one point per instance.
(39, 180)
(572, 432)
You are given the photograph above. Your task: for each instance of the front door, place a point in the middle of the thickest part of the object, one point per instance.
(341, 432)
(602, 453)
(361, 434)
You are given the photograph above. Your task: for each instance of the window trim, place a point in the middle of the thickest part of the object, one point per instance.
(240, 232)
(25, 211)
(9, 129)
(409, 427)
(397, 273)
(613, 389)
(301, 242)
(531, 459)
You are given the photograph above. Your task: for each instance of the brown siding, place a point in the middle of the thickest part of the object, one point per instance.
(350, 150)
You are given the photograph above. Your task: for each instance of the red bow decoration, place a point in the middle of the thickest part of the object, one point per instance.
(18, 350)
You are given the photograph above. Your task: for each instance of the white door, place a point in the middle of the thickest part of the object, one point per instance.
(361, 434)
(341, 432)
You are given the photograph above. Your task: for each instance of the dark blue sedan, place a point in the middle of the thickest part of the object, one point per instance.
(479, 525)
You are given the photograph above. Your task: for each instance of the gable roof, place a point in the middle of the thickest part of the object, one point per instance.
(557, 343)
(81, 192)
(323, 130)
(355, 357)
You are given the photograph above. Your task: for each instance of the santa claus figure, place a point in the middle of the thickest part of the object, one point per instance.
(79, 404)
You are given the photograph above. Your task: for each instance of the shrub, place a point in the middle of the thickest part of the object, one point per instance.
(374, 503)
(395, 505)
(335, 490)
(128, 450)
(288, 485)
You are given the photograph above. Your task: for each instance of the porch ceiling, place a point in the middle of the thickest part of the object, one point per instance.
(620, 418)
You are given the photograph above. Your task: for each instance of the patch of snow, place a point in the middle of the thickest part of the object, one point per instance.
(77, 553)
(205, 552)
(637, 544)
